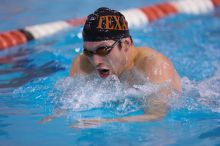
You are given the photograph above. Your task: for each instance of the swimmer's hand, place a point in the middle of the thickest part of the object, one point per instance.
(88, 123)
(57, 114)
(93, 123)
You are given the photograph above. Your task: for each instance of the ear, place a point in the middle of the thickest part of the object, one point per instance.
(127, 44)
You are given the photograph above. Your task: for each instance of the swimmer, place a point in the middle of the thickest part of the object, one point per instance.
(108, 49)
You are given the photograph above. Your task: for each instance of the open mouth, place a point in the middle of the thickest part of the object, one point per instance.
(103, 73)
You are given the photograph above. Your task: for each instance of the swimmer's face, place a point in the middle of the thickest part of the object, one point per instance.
(106, 56)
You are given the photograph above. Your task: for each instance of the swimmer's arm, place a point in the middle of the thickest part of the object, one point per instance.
(156, 111)
(56, 114)
(81, 65)
(156, 108)
(75, 67)
(159, 70)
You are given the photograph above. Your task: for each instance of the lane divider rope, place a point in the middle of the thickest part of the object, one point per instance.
(136, 17)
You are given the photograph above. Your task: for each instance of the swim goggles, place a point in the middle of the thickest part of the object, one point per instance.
(101, 51)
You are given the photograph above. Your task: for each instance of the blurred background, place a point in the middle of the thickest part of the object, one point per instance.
(13, 12)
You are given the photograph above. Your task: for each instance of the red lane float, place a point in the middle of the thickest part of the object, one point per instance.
(11, 38)
(216, 2)
(76, 22)
(167, 8)
(137, 18)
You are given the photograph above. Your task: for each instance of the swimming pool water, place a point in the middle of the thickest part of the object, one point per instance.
(34, 81)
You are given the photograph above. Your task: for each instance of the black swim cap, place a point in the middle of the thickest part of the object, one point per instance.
(105, 24)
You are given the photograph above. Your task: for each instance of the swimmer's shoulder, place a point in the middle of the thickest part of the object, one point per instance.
(145, 53)
(149, 54)
(81, 65)
(150, 59)
(157, 66)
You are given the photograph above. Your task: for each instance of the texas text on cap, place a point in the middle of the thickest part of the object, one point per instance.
(105, 24)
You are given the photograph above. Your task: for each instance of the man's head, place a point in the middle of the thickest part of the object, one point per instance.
(105, 24)
(106, 41)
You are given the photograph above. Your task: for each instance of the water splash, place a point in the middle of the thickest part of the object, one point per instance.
(91, 92)
(83, 93)
(203, 95)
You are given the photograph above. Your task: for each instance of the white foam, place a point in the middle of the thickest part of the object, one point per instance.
(201, 95)
(89, 92)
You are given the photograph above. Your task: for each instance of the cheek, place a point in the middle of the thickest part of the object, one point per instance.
(116, 59)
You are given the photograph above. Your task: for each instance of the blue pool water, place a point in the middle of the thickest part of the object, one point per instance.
(34, 81)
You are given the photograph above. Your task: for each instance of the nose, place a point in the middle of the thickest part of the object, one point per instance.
(96, 59)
